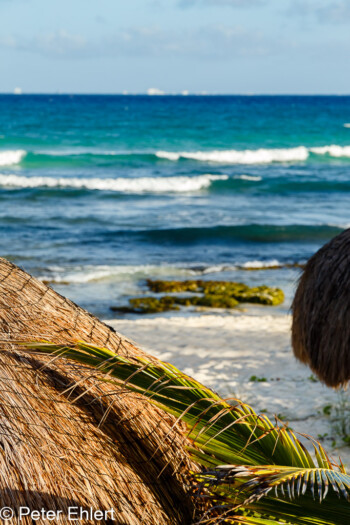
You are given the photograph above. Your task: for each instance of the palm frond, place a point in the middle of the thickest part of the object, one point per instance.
(258, 471)
(290, 481)
(233, 433)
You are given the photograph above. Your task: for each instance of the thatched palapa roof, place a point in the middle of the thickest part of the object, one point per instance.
(88, 446)
(321, 312)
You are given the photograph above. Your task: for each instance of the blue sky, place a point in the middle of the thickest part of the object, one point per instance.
(216, 46)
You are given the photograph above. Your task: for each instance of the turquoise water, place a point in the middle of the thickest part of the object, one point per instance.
(98, 193)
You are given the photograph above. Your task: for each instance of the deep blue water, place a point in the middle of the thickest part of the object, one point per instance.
(99, 192)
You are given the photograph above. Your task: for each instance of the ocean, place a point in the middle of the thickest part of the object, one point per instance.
(98, 193)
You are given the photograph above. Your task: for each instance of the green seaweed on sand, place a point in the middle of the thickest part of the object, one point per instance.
(238, 291)
(153, 305)
(148, 305)
(216, 301)
(208, 294)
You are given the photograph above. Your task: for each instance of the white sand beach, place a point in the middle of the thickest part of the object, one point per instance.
(248, 357)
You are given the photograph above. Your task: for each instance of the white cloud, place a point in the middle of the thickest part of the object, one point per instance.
(57, 44)
(337, 11)
(212, 42)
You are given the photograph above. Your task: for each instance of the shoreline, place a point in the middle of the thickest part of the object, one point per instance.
(248, 357)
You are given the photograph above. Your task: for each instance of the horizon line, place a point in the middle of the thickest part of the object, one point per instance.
(171, 94)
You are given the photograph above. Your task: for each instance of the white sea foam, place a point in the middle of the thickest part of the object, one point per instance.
(202, 269)
(77, 152)
(123, 185)
(259, 156)
(274, 263)
(252, 178)
(169, 155)
(78, 275)
(343, 226)
(85, 274)
(333, 150)
(10, 157)
(248, 265)
(346, 125)
(89, 273)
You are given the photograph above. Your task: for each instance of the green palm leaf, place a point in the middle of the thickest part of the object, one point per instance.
(291, 491)
(268, 474)
(290, 481)
(231, 434)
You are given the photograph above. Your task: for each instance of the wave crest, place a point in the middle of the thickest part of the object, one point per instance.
(122, 185)
(90, 273)
(230, 156)
(251, 178)
(85, 274)
(332, 151)
(10, 157)
(259, 156)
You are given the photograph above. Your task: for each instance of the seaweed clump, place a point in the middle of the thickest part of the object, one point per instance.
(238, 291)
(209, 294)
(148, 305)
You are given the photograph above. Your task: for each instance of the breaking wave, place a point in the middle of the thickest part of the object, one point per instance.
(123, 185)
(90, 273)
(88, 157)
(259, 156)
(332, 151)
(10, 157)
(252, 178)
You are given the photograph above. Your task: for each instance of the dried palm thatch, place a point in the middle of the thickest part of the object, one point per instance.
(68, 439)
(321, 312)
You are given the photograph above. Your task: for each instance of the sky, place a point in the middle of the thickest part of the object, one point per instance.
(213, 46)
